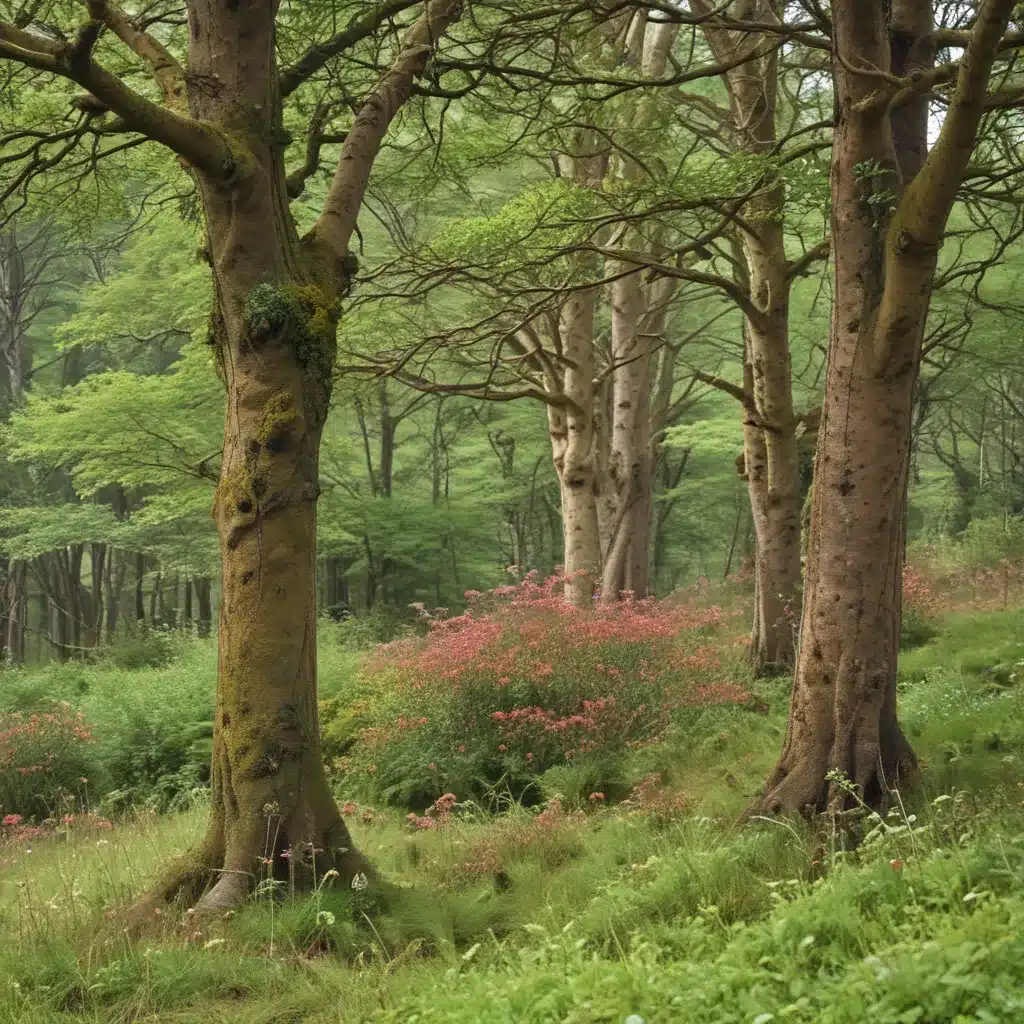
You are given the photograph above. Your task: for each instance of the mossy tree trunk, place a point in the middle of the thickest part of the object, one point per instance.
(889, 209)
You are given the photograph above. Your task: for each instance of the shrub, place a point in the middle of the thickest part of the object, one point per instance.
(159, 764)
(522, 683)
(43, 759)
(147, 648)
(358, 632)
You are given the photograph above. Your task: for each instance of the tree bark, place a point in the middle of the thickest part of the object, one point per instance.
(889, 210)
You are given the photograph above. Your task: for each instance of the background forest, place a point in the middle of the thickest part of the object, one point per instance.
(555, 395)
(437, 470)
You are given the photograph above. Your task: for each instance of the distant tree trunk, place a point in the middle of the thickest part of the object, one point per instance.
(573, 446)
(773, 469)
(733, 541)
(140, 588)
(187, 615)
(114, 586)
(98, 555)
(204, 601)
(890, 205)
(336, 584)
(15, 608)
(13, 293)
(155, 598)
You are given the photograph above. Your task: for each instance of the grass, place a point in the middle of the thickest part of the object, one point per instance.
(671, 912)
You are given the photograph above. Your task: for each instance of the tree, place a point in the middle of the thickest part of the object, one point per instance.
(891, 198)
(771, 465)
(273, 331)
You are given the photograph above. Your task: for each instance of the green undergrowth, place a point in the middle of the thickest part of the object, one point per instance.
(662, 907)
(150, 723)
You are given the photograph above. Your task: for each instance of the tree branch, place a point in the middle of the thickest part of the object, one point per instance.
(820, 251)
(721, 384)
(931, 194)
(197, 143)
(356, 30)
(165, 69)
(336, 224)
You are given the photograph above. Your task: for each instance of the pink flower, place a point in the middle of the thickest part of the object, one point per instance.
(12, 819)
(350, 807)
(502, 747)
(529, 757)
(596, 796)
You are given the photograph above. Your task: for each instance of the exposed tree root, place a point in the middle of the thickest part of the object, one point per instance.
(804, 781)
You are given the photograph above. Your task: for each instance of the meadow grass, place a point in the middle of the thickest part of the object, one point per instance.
(669, 910)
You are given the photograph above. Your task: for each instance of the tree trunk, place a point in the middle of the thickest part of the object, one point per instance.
(140, 588)
(114, 585)
(15, 606)
(629, 478)
(888, 218)
(99, 554)
(774, 488)
(573, 445)
(204, 601)
(775, 513)
(13, 341)
(274, 334)
(155, 599)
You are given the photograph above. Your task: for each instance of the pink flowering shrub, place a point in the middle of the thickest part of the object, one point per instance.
(521, 683)
(43, 760)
